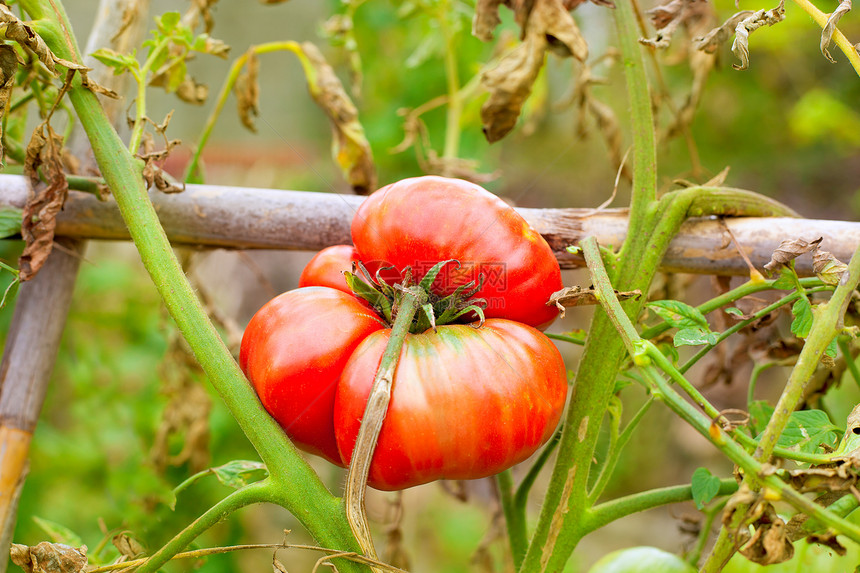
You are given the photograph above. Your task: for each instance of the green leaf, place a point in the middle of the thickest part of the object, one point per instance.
(787, 279)
(168, 22)
(679, 314)
(802, 323)
(705, 486)
(760, 414)
(119, 62)
(240, 473)
(694, 337)
(807, 430)
(59, 533)
(10, 221)
(831, 349)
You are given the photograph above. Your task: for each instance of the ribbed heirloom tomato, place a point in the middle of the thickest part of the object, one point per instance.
(468, 400)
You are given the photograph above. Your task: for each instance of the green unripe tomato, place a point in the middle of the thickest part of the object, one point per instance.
(641, 560)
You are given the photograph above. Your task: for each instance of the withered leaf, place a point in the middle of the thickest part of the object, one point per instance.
(247, 91)
(510, 84)
(191, 91)
(127, 545)
(769, 543)
(546, 25)
(713, 39)
(830, 27)
(827, 267)
(740, 47)
(26, 36)
(8, 68)
(486, 19)
(350, 147)
(44, 152)
(789, 250)
(578, 296)
(49, 558)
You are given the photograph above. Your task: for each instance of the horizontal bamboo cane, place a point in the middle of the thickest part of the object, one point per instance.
(247, 218)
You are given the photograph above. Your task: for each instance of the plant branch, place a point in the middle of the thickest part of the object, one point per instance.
(254, 493)
(609, 511)
(374, 416)
(838, 37)
(515, 517)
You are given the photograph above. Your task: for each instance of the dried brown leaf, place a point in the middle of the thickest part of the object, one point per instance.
(740, 47)
(510, 84)
(713, 39)
(44, 153)
(769, 543)
(789, 250)
(546, 25)
(127, 545)
(486, 19)
(247, 91)
(26, 36)
(190, 91)
(827, 267)
(830, 27)
(578, 296)
(49, 558)
(8, 69)
(350, 147)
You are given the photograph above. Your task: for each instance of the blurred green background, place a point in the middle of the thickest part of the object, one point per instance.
(789, 127)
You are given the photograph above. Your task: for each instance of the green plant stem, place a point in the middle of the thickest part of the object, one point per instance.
(254, 493)
(514, 519)
(452, 77)
(845, 349)
(705, 531)
(564, 338)
(192, 172)
(522, 495)
(826, 325)
(737, 293)
(374, 415)
(644, 351)
(615, 450)
(141, 78)
(838, 37)
(644, 192)
(609, 511)
(744, 323)
(295, 485)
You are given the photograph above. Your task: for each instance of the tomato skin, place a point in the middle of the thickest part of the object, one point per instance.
(466, 403)
(327, 266)
(420, 221)
(293, 351)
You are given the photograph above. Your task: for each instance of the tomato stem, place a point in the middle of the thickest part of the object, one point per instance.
(374, 415)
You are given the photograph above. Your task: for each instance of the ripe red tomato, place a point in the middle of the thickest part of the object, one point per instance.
(293, 352)
(466, 403)
(468, 400)
(421, 221)
(327, 266)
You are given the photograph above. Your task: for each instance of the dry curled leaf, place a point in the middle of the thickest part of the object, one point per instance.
(49, 558)
(830, 27)
(17, 31)
(350, 147)
(8, 69)
(740, 47)
(713, 39)
(578, 296)
(789, 250)
(546, 25)
(247, 92)
(769, 543)
(44, 153)
(486, 19)
(827, 267)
